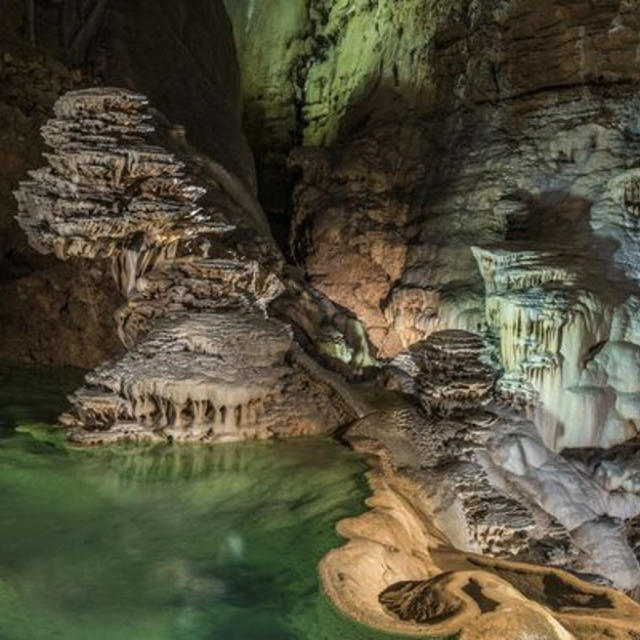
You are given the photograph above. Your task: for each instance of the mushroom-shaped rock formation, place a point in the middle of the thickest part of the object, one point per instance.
(202, 376)
(192, 255)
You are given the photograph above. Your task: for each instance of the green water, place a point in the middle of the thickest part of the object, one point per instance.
(164, 543)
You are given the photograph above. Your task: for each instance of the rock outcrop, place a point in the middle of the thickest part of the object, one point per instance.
(198, 269)
(568, 342)
(460, 476)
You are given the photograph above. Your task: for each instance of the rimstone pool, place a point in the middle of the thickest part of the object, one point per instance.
(164, 543)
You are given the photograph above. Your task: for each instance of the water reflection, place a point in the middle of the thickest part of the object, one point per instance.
(166, 542)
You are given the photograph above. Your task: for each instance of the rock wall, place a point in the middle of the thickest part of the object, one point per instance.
(502, 122)
(182, 56)
(303, 73)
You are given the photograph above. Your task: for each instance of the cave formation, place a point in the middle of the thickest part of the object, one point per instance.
(412, 225)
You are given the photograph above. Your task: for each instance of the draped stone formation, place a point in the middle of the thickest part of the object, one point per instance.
(569, 341)
(197, 270)
(500, 135)
(464, 475)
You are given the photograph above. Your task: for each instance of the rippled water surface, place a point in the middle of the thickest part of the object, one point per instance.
(164, 543)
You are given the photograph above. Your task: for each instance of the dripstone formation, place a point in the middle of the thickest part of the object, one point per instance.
(205, 362)
(226, 342)
(487, 182)
(461, 479)
(494, 471)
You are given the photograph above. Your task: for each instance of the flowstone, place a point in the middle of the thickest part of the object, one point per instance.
(461, 478)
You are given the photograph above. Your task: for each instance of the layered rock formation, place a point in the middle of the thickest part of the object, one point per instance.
(198, 270)
(182, 55)
(568, 342)
(461, 476)
(526, 133)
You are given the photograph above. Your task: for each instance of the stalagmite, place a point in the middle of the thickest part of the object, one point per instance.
(202, 350)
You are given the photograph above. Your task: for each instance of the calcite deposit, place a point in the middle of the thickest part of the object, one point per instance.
(463, 296)
(460, 479)
(198, 269)
(568, 343)
(497, 196)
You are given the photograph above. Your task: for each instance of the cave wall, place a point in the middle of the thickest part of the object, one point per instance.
(306, 62)
(182, 54)
(464, 165)
(429, 129)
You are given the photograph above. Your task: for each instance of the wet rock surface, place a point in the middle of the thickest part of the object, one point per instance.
(464, 474)
(420, 602)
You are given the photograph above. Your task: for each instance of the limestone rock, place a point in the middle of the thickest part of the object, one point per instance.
(205, 377)
(494, 486)
(104, 185)
(463, 475)
(452, 375)
(50, 313)
(526, 151)
(567, 346)
(199, 274)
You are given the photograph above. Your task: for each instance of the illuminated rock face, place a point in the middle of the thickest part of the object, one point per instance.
(464, 475)
(568, 343)
(493, 470)
(199, 271)
(204, 376)
(526, 151)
